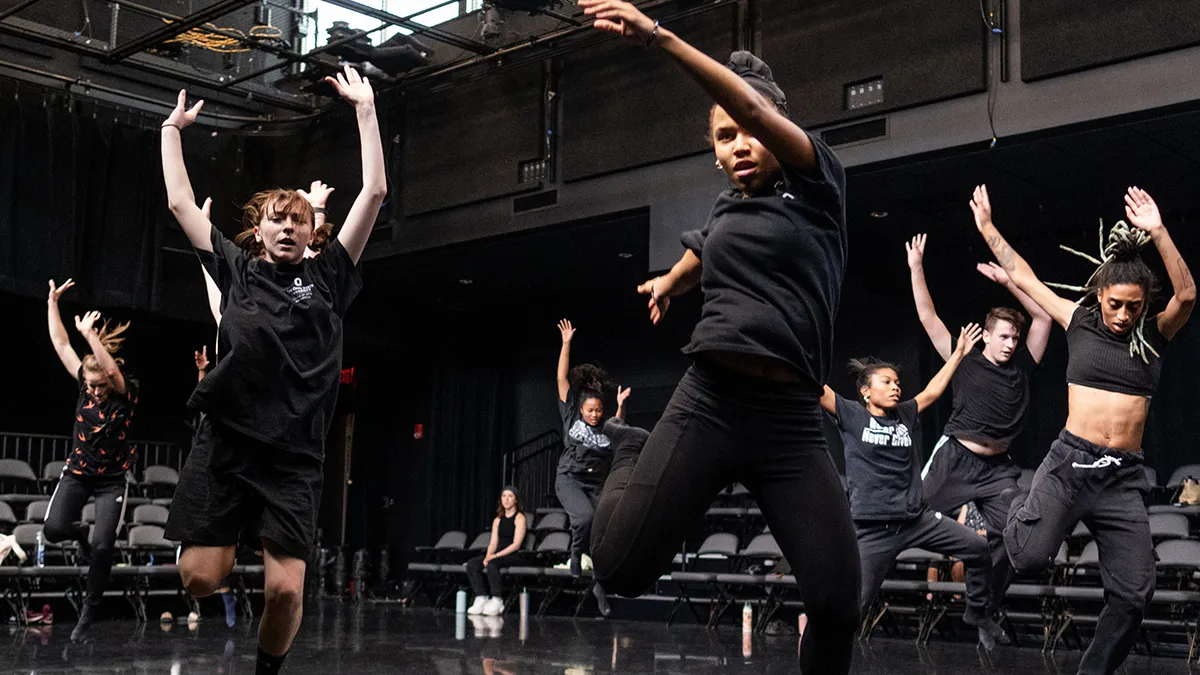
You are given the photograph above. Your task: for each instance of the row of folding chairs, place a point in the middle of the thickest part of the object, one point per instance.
(20, 485)
(35, 513)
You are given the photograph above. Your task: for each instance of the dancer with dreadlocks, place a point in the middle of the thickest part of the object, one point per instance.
(100, 455)
(1093, 471)
(582, 467)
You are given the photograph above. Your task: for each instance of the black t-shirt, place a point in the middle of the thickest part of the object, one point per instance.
(990, 400)
(101, 444)
(587, 447)
(1099, 358)
(883, 472)
(772, 269)
(279, 351)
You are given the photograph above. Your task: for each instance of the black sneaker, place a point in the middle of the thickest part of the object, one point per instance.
(86, 617)
(990, 632)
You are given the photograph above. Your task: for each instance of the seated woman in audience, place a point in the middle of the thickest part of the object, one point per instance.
(508, 534)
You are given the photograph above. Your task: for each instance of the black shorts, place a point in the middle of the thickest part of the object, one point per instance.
(235, 488)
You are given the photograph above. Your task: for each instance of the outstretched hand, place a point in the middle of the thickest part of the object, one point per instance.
(658, 303)
(202, 358)
(353, 87)
(622, 395)
(622, 18)
(57, 291)
(1141, 210)
(181, 116)
(317, 194)
(567, 330)
(994, 272)
(981, 206)
(967, 338)
(86, 324)
(916, 251)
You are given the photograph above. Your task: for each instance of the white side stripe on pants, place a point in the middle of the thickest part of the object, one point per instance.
(940, 443)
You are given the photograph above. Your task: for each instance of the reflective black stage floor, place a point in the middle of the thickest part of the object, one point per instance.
(388, 639)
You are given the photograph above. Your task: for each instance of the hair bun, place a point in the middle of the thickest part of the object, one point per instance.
(758, 75)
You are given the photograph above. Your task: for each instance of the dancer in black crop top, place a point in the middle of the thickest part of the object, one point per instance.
(1093, 471)
(770, 262)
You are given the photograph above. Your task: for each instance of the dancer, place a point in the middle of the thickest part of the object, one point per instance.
(991, 396)
(101, 455)
(884, 479)
(508, 533)
(770, 262)
(588, 453)
(1093, 471)
(256, 470)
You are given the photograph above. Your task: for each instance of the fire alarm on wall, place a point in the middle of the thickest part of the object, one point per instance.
(418, 431)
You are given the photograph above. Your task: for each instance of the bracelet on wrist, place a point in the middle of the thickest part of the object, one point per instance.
(320, 209)
(168, 124)
(653, 35)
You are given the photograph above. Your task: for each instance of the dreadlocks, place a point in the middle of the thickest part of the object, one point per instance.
(1120, 263)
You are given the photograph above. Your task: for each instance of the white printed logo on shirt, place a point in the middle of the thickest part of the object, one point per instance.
(878, 434)
(586, 436)
(300, 291)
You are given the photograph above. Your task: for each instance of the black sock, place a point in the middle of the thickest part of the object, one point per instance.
(267, 664)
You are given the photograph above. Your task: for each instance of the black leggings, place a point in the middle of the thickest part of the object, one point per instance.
(1104, 488)
(721, 427)
(475, 572)
(65, 510)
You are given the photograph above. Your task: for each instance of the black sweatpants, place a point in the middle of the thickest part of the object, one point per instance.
(1104, 488)
(579, 497)
(879, 542)
(494, 586)
(955, 476)
(66, 509)
(722, 427)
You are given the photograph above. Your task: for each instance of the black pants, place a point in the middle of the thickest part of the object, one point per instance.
(65, 511)
(955, 476)
(579, 497)
(475, 572)
(721, 427)
(1104, 488)
(880, 542)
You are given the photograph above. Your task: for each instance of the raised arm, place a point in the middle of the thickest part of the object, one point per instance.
(1143, 214)
(1039, 328)
(180, 198)
(751, 110)
(622, 396)
(58, 333)
(361, 219)
(518, 537)
(112, 372)
(829, 401)
(1059, 309)
(967, 338)
(210, 286)
(934, 327)
(683, 277)
(564, 359)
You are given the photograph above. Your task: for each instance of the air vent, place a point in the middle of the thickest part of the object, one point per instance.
(533, 171)
(856, 133)
(540, 200)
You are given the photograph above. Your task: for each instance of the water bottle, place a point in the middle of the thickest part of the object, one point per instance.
(41, 550)
(524, 604)
(150, 563)
(178, 553)
(747, 618)
(460, 602)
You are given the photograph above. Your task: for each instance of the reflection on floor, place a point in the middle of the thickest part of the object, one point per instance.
(366, 639)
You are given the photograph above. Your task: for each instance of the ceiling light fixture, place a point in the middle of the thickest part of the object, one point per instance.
(879, 214)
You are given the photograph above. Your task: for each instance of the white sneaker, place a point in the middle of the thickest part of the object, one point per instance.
(563, 565)
(494, 626)
(493, 607)
(8, 544)
(477, 607)
(585, 563)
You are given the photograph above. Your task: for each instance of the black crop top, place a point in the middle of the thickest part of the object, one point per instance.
(1099, 358)
(772, 269)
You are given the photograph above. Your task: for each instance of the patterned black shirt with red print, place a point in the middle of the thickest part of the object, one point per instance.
(101, 446)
